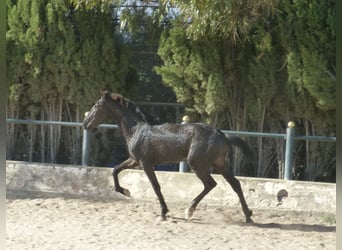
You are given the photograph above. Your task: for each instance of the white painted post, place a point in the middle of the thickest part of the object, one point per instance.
(290, 132)
(183, 165)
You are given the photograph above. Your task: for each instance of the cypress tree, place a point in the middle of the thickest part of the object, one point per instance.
(59, 60)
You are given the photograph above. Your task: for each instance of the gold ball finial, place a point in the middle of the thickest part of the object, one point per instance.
(186, 118)
(291, 124)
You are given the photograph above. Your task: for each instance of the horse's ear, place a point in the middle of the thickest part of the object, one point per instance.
(114, 97)
(117, 97)
(105, 93)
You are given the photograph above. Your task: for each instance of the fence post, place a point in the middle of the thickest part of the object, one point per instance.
(290, 132)
(85, 146)
(183, 165)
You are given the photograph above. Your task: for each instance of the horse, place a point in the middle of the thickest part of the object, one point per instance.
(202, 146)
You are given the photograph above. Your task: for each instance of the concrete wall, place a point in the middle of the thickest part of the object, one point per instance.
(95, 182)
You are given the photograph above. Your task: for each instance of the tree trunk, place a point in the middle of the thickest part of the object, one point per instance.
(261, 162)
(75, 136)
(307, 148)
(32, 139)
(77, 139)
(11, 132)
(54, 113)
(42, 138)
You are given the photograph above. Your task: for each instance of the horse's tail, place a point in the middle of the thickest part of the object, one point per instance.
(236, 141)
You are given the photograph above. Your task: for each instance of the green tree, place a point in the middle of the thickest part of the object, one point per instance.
(60, 59)
(255, 65)
(310, 40)
(241, 65)
(309, 36)
(232, 19)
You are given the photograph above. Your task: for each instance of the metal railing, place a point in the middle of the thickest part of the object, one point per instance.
(289, 136)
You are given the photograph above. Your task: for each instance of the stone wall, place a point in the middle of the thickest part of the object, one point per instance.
(96, 182)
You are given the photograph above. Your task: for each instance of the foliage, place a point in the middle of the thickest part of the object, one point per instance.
(310, 41)
(239, 65)
(233, 20)
(60, 59)
(140, 26)
(255, 65)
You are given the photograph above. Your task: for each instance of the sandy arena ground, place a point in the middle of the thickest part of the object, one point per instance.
(58, 223)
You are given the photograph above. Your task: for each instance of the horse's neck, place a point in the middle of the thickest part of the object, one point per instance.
(128, 121)
(127, 127)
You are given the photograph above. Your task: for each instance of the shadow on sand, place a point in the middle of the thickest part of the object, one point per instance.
(290, 227)
(295, 227)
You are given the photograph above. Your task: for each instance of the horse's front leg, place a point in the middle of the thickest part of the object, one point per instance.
(129, 163)
(156, 187)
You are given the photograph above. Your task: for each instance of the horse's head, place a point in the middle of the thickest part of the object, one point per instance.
(112, 105)
(100, 112)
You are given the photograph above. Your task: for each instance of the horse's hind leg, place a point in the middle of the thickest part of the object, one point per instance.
(208, 182)
(129, 163)
(235, 184)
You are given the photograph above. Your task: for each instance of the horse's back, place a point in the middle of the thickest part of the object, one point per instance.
(175, 142)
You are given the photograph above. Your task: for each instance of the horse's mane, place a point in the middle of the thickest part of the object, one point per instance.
(128, 104)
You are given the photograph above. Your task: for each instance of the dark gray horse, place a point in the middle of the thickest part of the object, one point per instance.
(200, 145)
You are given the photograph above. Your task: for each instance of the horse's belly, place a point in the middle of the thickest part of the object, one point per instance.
(170, 158)
(161, 150)
(170, 153)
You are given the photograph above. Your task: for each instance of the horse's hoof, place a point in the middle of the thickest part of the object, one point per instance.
(123, 191)
(188, 213)
(249, 220)
(161, 218)
(126, 192)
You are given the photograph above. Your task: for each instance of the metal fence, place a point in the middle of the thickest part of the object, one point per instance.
(289, 136)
